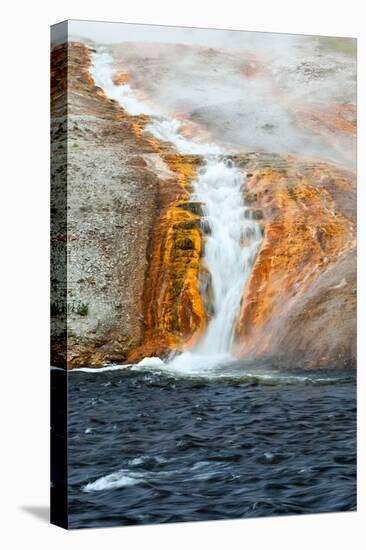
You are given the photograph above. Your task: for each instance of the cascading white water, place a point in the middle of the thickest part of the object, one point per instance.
(234, 237)
(229, 249)
(162, 127)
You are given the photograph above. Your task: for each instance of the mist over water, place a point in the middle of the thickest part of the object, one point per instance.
(163, 127)
(246, 88)
(248, 92)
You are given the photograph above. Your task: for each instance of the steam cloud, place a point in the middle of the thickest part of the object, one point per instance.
(245, 88)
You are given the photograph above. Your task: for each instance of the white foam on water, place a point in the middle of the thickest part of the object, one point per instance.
(102, 70)
(195, 366)
(140, 460)
(169, 130)
(186, 364)
(137, 461)
(151, 362)
(126, 478)
(116, 480)
(100, 369)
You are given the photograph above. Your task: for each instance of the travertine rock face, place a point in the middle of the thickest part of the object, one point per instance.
(320, 328)
(132, 269)
(300, 305)
(111, 207)
(174, 313)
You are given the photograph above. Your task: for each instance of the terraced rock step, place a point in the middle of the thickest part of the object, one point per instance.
(253, 214)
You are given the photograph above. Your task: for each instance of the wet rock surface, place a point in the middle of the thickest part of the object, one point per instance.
(299, 306)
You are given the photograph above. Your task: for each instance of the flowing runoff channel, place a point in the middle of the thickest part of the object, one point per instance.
(234, 238)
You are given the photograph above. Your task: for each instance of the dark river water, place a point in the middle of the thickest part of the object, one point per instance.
(148, 447)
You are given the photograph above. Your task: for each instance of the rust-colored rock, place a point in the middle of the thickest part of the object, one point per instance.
(328, 119)
(144, 297)
(174, 314)
(120, 78)
(303, 277)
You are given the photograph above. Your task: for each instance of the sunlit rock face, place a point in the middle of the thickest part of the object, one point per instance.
(300, 303)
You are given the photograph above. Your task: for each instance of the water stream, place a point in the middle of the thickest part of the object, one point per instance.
(234, 236)
(230, 249)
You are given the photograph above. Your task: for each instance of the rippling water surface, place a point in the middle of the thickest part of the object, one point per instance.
(146, 446)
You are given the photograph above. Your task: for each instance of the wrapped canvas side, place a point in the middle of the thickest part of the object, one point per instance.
(59, 41)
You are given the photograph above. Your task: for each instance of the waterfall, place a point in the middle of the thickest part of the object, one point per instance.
(230, 248)
(234, 236)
